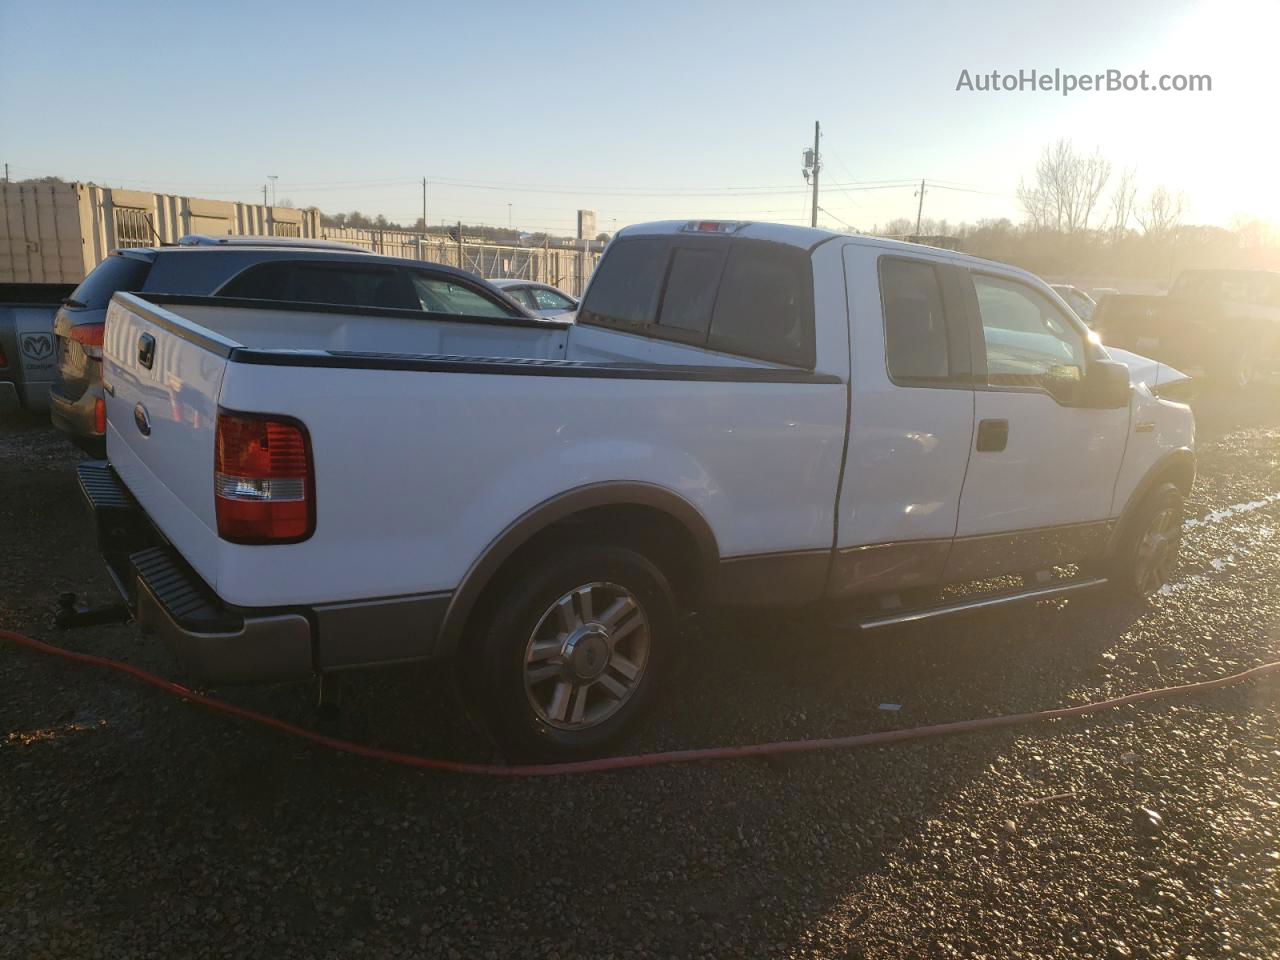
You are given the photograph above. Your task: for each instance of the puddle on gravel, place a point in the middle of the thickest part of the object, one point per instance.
(1216, 516)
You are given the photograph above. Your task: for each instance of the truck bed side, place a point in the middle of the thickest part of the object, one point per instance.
(422, 460)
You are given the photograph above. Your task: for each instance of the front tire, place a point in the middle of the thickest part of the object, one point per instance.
(573, 654)
(1147, 555)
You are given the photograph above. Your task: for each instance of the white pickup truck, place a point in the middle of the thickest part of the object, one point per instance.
(742, 415)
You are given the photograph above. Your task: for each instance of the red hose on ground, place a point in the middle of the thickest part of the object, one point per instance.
(644, 759)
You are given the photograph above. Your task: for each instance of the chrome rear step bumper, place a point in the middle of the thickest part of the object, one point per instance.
(216, 642)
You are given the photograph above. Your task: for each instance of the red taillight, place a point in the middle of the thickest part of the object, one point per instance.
(89, 336)
(262, 479)
(99, 415)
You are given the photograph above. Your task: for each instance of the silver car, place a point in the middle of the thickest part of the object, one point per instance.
(542, 298)
(261, 268)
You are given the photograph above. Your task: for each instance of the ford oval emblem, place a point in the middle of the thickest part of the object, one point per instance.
(142, 420)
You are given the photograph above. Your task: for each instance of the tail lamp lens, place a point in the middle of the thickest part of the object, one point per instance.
(263, 481)
(89, 336)
(99, 415)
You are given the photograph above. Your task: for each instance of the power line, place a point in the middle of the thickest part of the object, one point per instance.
(630, 191)
(849, 173)
(834, 217)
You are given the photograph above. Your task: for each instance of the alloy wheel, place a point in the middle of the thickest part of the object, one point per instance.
(587, 656)
(1158, 550)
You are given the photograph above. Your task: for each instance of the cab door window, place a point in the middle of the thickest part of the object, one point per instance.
(1029, 342)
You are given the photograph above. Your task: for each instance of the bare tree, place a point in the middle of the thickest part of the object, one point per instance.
(1036, 205)
(1066, 188)
(1123, 203)
(901, 227)
(1162, 213)
(1091, 176)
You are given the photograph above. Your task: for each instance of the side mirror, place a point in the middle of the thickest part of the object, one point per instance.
(1106, 385)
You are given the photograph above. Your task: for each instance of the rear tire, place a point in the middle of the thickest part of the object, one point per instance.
(1147, 555)
(573, 653)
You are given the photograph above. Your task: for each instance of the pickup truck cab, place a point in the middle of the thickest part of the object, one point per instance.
(1224, 322)
(742, 415)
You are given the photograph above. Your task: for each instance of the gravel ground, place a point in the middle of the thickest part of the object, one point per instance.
(134, 825)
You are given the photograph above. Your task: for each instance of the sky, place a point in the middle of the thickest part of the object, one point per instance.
(523, 113)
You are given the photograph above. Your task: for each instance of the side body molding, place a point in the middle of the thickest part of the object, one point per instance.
(560, 507)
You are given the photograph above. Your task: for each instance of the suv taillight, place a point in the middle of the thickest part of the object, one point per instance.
(89, 336)
(263, 482)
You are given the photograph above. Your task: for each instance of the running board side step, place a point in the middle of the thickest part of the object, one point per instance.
(979, 603)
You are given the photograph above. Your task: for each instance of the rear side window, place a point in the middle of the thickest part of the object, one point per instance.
(915, 328)
(628, 285)
(745, 297)
(438, 294)
(765, 305)
(112, 274)
(341, 285)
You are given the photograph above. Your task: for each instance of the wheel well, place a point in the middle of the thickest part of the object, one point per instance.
(1178, 469)
(1181, 473)
(652, 532)
(660, 537)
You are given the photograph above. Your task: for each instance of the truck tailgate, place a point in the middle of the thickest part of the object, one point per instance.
(162, 375)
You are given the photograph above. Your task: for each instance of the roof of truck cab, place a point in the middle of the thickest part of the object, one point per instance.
(807, 238)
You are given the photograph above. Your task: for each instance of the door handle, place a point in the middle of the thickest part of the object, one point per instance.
(146, 350)
(993, 435)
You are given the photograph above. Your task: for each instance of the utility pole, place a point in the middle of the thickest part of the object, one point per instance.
(273, 178)
(421, 250)
(461, 266)
(919, 207)
(817, 166)
(264, 196)
(508, 215)
(6, 173)
(812, 164)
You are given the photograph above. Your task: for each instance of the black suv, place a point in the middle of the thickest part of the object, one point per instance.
(261, 270)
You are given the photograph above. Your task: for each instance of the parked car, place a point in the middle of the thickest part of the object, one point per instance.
(1077, 300)
(542, 299)
(742, 416)
(27, 361)
(1225, 322)
(268, 268)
